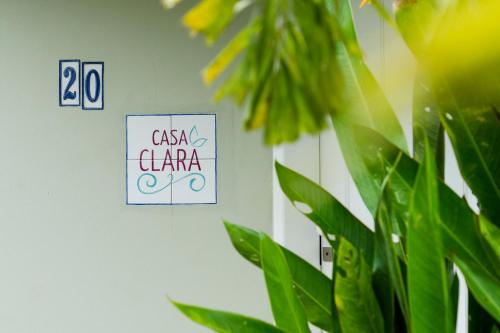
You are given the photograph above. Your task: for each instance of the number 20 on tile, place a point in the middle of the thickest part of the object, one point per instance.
(81, 83)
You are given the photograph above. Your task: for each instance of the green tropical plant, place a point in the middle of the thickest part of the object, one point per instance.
(297, 63)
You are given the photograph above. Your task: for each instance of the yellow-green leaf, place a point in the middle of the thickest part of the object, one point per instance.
(355, 299)
(491, 235)
(229, 53)
(210, 17)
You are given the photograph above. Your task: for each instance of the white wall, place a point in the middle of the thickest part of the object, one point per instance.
(74, 258)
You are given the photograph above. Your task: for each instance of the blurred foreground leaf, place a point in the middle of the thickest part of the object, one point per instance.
(210, 17)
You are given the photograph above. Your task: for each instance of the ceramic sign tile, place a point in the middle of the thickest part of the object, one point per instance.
(81, 83)
(93, 85)
(195, 186)
(171, 159)
(200, 133)
(151, 187)
(69, 83)
(144, 130)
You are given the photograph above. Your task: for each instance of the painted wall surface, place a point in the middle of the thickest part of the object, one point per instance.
(74, 258)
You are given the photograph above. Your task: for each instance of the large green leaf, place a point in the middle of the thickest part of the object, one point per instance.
(428, 289)
(454, 294)
(459, 227)
(362, 102)
(361, 99)
(326, 211)
(384, 230)
(426, 123)
(417, 21)
(371, 189)
(479, 320)
(475, 135)
(287, 309)
(311, 285)
(225, 322)
(484, 286)
(384, 293)
(343, 11)
(491, 236)
(356, 303)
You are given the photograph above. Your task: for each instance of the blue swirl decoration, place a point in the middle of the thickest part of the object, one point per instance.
(194, 138)
(147, 183)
